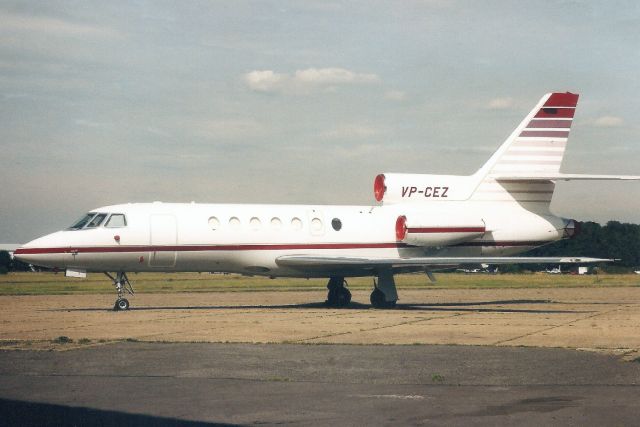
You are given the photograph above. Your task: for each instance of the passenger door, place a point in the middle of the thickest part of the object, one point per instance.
(164, 237)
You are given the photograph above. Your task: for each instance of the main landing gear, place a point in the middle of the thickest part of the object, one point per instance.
(122, 284)
(339, 295)
(384, 293)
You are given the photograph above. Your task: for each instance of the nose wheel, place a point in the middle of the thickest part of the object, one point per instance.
(121, 304)
(122, 285)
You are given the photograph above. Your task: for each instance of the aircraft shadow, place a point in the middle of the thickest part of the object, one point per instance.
(21, 413)
(450, 306)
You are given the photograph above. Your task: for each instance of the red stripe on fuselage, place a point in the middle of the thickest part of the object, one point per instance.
(446, 230)
(196, 248)
(252, 247)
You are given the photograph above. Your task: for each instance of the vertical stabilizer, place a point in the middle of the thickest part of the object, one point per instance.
(536, 147)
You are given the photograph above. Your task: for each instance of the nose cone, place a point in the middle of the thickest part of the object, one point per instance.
(46, 251)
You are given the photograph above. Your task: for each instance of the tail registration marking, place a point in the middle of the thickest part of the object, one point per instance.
(426, 192)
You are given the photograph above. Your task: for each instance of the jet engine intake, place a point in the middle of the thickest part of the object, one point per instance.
(438, 233)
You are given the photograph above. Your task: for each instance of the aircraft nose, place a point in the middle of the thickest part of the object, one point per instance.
(43, 252)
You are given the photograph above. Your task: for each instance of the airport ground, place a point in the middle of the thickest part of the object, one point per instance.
(473, 349)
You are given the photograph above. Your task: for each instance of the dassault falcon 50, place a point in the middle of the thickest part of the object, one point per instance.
(421, 223)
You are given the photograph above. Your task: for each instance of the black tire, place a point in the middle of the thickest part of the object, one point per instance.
(338, 297)
(122, 304)
(343, 297)
(378, 300)
(332, 298)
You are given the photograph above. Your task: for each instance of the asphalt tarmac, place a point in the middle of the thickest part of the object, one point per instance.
(136, 383)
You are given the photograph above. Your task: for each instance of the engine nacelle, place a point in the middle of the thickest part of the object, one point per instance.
(434, 232)
(406, 187)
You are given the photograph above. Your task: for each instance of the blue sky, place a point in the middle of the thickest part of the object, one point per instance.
(299, 101)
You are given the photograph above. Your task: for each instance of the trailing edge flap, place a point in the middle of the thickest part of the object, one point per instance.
(310, 261)
(563, 177)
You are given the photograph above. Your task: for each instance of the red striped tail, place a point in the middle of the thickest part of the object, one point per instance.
(537, 146)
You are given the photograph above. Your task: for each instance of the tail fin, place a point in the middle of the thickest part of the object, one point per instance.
(536, 147)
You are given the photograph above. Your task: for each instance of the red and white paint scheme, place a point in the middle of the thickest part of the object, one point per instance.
(422, 223)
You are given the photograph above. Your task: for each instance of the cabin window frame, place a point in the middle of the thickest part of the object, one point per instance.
(108, 221)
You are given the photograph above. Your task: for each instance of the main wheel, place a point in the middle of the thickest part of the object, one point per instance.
(122, 304)
(343, 297)
(338, 297)
(378, 300)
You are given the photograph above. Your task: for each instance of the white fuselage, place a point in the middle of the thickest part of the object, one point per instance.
(248, 239)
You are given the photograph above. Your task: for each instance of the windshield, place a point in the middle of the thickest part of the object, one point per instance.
(82, 221)
(96, 220)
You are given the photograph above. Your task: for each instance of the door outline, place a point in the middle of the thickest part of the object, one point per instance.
(163, 232)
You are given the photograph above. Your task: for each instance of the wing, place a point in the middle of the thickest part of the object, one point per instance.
(355, 264)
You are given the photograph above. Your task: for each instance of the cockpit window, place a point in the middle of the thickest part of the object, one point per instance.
(96, 220)
(116, 220)
(82, 221)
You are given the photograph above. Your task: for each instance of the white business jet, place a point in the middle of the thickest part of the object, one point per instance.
(422, 223)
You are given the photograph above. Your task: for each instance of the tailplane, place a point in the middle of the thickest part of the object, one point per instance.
(526, 167)
(522, 170)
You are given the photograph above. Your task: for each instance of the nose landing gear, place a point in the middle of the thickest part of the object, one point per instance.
(122, 284)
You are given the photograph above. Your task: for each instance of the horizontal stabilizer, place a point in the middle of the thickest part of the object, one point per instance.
(564, 177)
(364, 262)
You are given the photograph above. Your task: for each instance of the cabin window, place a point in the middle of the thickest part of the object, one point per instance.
(276, 224)
(254, 223)
(336, 224)
(214, 223)
(82, 221)
(296, 223)
(96, 220)
(316, 225)
(234, 222)
(116, 220)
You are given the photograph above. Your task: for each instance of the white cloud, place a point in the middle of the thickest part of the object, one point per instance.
(265, 81)
(52, 26)
(499, 104)
(304, 81)
(330, 76)
(608, 122)
(395, 95)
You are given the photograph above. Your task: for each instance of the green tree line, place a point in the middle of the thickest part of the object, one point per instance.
(615, 240)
